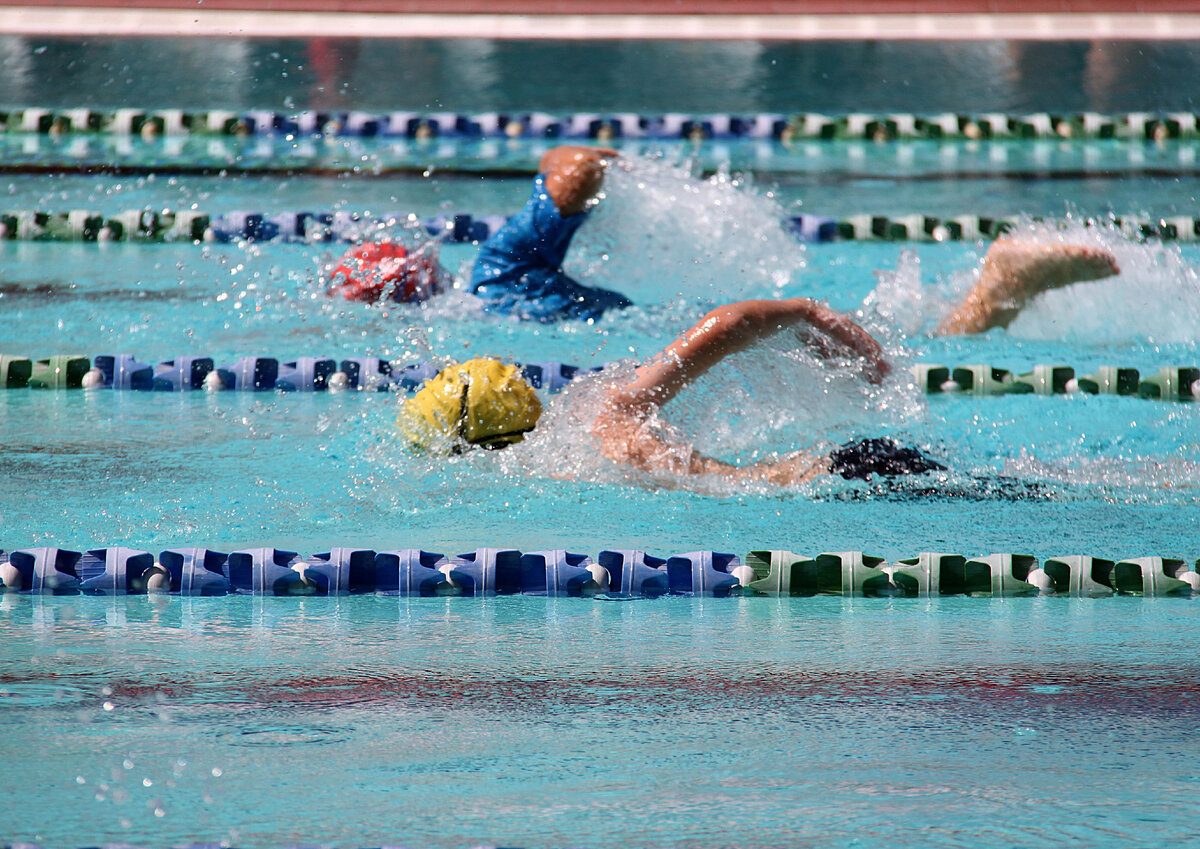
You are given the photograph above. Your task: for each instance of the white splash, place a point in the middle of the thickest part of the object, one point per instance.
(1155, 299)
(661, 233)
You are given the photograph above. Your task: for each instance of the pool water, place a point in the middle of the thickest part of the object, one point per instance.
(232, 469)
(535, 722)
(528, 721)
(561, 76)
(676, 722)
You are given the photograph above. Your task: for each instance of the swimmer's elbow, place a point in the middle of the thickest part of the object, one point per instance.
(728, 318)
(744, 320)
(765, 313)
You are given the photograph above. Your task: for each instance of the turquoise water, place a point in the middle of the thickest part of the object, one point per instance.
(481, 74)
(1098, 475)
(522, 721)
(532, 722)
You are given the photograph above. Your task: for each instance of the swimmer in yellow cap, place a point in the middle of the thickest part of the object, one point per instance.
(484, 402)
(481, 402)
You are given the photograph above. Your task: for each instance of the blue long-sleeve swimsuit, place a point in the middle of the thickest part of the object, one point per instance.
(519, 268)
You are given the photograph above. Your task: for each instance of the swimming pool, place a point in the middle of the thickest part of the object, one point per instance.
(520, 720)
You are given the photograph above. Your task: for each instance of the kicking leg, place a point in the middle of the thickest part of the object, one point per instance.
(1014, 273)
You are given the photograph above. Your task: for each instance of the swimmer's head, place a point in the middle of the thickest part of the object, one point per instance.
(480, 402)
(375, 271)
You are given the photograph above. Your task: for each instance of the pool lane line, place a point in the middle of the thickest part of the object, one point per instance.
(173, 169)
(1148, 689)
(617, 574)
(1047, 25)
(1159, 126)
(325, 374)
(347, 227)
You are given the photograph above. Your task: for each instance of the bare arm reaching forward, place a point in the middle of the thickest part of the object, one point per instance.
(625, 426)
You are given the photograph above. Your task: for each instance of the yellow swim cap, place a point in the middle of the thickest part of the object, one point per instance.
(480, 402)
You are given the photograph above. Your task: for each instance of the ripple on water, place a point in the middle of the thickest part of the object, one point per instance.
(284, 735)
(23, 694)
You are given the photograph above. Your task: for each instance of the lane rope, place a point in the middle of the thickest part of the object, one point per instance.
(325, 374)
(603, 126)
(118, 570)
(315, 227)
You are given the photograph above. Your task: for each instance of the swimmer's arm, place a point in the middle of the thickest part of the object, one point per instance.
(732, 328)
(632, 442)
(574, 175)
(623, 425)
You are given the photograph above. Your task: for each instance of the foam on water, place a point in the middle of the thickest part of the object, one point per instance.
(1133, 479)
(1155, 300)
(660, 232)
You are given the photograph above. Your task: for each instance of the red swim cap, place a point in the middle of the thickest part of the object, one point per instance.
(375, 271)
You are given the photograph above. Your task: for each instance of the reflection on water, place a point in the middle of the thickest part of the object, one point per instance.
(372, 721)
(481, 75)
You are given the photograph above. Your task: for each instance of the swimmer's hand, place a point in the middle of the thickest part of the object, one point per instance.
(574, 175)
(840, 336)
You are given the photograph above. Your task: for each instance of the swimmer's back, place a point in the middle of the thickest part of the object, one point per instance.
(535, 238)
(519, 269)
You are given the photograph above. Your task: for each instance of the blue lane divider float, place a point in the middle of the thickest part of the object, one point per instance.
(146, 225)
(195, 571)
(559, 572)
(635, 573)
(351, 227)
(617, 573)
(604, 126)
(321, 374)
(246, 374)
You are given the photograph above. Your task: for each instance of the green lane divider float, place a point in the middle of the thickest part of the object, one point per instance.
(1002, 574)
(1155, 126)
(14, 371)
(64, 371)
(307, 226)
(1170, 383)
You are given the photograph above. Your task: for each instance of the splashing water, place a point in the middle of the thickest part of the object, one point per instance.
(1155, 299)
(900, 306)
(662, 233)
(754, 406)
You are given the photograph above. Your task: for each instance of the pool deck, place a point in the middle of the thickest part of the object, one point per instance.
(767, 20)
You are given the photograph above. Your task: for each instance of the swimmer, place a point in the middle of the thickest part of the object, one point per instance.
(389, 271)
(484, 402)
(519, 268)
